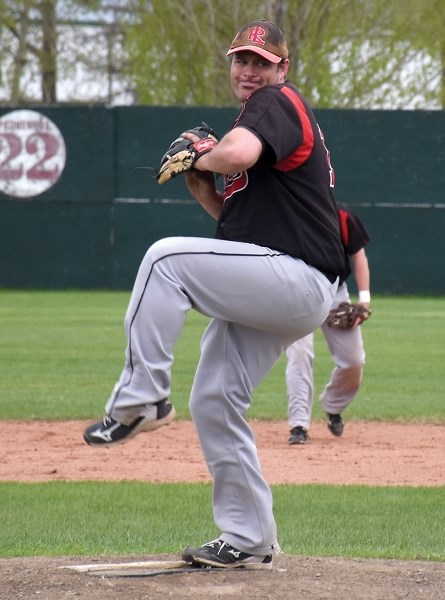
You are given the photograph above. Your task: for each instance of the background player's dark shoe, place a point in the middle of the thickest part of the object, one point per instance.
(220, 554)
(298, 435)
(335, 424)
(109, 431)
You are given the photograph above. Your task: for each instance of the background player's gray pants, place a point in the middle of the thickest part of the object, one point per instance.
(348, 354)
(259, 301)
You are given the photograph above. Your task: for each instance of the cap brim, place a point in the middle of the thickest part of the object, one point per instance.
(273, 58)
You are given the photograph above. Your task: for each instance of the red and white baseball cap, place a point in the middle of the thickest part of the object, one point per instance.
(263, 38)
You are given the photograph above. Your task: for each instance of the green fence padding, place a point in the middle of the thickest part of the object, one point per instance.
(55, 245)
(386, 156)
(137, 226)
(92, 228)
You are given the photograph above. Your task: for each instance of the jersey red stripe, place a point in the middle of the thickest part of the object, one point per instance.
(303, 152)
(344, 231)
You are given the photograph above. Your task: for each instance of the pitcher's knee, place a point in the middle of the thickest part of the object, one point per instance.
(163, 247)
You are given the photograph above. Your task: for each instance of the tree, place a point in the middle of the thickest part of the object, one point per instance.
(424, 29)
(360, 54)
(70, 46)
(19, 19)
(366, 53)
(47, 54)
(177, 49)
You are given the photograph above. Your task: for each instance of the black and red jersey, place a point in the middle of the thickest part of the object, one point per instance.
(353, 233)
(285, 201)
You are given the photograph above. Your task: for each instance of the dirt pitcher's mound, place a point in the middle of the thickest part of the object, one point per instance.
(368, 453)
(291, 578)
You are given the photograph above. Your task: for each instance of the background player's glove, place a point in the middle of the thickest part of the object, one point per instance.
(182, 154)
(347, 315)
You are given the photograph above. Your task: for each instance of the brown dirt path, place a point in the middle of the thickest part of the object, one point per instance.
(368, 453)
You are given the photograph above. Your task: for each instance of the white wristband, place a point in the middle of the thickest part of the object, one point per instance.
(364, 296)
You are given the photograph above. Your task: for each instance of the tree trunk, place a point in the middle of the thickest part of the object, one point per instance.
(20, 58)
(276, 12)
(48, 52)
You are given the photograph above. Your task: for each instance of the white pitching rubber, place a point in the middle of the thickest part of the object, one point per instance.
(148, 564)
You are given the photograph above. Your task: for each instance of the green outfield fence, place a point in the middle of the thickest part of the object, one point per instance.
(91, 227)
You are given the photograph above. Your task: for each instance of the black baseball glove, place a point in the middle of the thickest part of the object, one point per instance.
(182, 154)
(347, 315)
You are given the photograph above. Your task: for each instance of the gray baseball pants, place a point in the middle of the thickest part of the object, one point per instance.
(260, 301)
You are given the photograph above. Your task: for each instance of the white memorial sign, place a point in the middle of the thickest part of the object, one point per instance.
(32, 153)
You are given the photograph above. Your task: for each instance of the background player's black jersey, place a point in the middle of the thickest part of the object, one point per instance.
(285, 200)
(354, 236)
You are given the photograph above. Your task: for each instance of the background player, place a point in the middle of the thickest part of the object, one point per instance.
(345, 346)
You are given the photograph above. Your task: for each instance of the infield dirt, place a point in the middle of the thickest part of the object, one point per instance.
(368, 453)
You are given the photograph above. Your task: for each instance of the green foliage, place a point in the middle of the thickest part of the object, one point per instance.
(362, 54)
(61, 518)
(62, 352)
(343, 54)
(178, 50)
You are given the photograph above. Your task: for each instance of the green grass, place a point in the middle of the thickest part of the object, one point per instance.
(60, 518)
(62, 352)
(60, 356)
